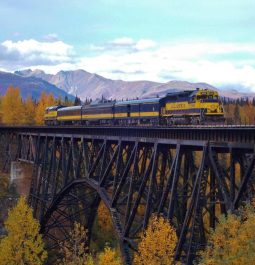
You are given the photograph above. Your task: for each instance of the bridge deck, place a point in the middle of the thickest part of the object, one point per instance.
(240, 134)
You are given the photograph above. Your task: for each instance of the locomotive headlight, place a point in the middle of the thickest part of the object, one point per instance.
(212, 108)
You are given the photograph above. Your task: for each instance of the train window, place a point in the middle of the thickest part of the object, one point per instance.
(192, 99)
(202, 97)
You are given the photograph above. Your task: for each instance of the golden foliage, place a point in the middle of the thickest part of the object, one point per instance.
(109, 257)
(245, 112)
(29, 111)
(23, 244)
(75, 250)
(104, 218)
(44, 102)
(157, 244)
(12, 109)
(233, 241)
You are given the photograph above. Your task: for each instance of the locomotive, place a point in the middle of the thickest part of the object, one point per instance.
(198, 106)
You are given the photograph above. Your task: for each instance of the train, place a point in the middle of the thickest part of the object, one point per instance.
(197, 106)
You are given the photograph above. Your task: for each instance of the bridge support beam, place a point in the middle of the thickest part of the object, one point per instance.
(189, 182)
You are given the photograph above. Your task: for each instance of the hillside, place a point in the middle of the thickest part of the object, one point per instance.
(30, 86)
(85, 84)
(88, 85)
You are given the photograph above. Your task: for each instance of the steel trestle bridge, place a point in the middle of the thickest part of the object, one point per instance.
(190, 175)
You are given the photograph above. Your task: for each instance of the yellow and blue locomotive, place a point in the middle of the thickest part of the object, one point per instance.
(199, 106)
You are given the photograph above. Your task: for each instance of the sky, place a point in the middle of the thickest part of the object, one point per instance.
(159, 40)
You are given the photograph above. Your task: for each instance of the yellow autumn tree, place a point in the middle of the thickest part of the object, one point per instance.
(23, 244)
(12, 107)
(51, 100)
(233, 241)
(75, 250)
(29, 111)
(44, 102)
(157, 244)
(1, 110)
(109, 256)
(104, 218)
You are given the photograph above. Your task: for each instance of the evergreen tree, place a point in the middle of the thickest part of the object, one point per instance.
(253, 101)
(66, 101)
(23, 244)
(77, 101)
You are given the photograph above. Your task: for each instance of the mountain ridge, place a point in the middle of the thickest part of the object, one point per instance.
(91, 85)
(32, 86)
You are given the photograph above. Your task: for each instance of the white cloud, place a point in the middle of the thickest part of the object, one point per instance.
(34, 52)
(32, 46)
(219, 64)
(51, 37)
(216, 63)
(145, 44)
(125, 41)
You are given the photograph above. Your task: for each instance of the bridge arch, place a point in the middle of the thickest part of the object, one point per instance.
(91, 214)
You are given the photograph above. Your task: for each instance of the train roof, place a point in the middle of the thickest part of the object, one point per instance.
(138, 101)
(70, 108)
(188, 93)
(54, 107)
(99, 104)
(180, 93)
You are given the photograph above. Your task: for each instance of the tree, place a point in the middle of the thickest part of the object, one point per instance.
(237, 114)
(29, 111)
(40, 109)
(104, 218)
(157, 244)
(12, 107)
(109, 256)
(44, 102)
(75, 250)
(233, 241)
(23, 244)
(51, 100)
(77, 101)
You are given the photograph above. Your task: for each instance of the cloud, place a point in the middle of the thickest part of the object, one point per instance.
(219, 64)
(32, 52)
(124, 41)
(145, 44)
(51, 37)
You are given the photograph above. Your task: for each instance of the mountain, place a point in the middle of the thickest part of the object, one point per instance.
(30, 86)
(88, 85)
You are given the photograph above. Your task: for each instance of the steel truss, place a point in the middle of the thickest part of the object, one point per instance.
(191, 183)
